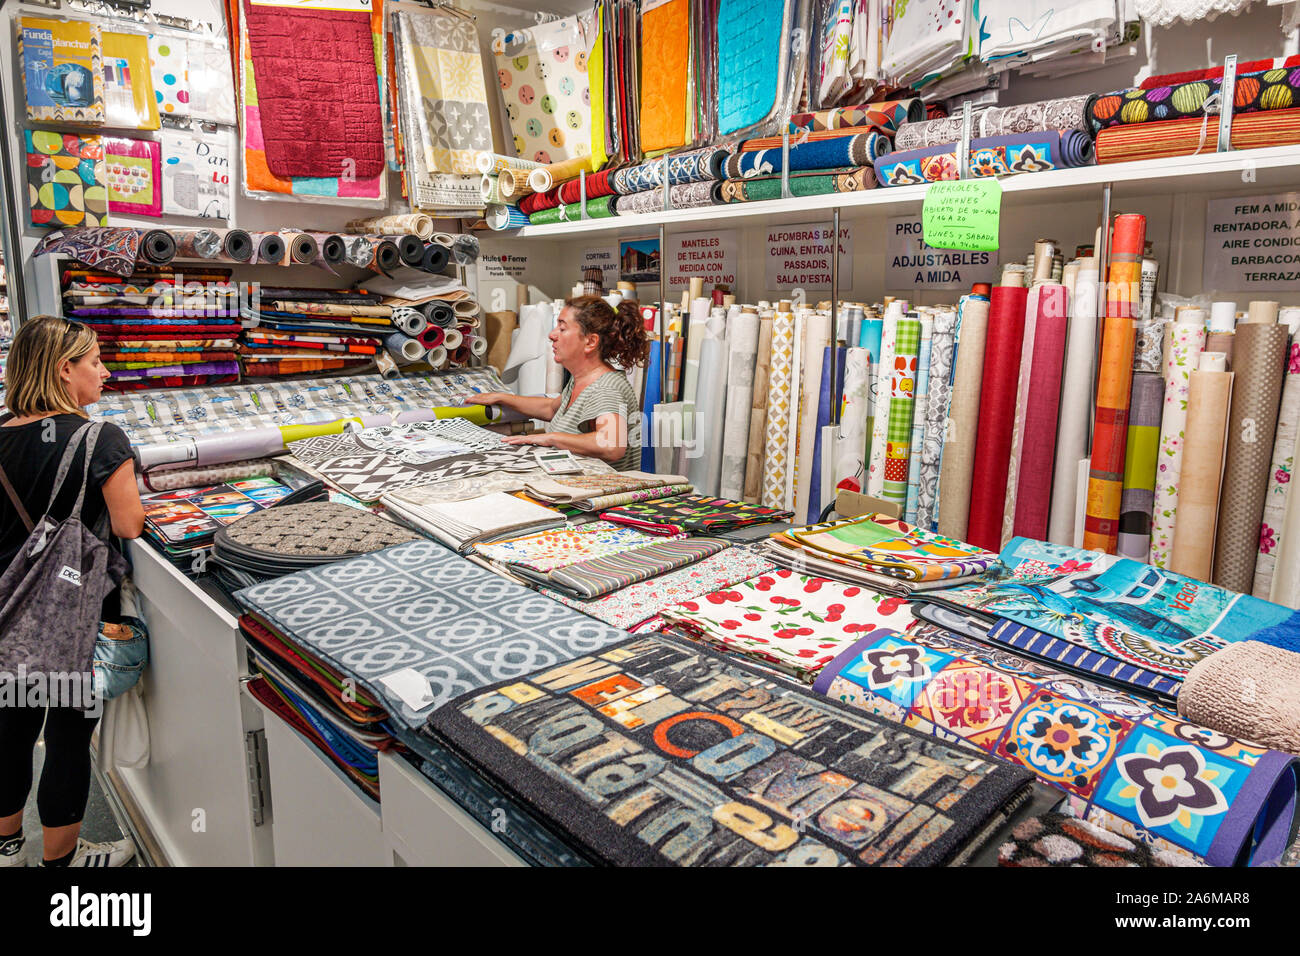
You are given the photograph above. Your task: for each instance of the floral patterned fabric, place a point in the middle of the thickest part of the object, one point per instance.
(638, 603)
(695, 513)
(895, 547)
(1279, 480)
(1187, 341)
(792, 622)
(1175, 785)
(560, 547)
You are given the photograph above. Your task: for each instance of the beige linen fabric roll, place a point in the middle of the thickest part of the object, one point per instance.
(963, 419)
(1198, 498)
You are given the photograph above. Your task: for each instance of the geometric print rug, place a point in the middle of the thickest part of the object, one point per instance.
(421, 606)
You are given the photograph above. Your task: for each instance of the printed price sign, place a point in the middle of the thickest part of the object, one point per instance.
(964, 214)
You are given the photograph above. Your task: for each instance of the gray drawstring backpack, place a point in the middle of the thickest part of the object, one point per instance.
(52, 592)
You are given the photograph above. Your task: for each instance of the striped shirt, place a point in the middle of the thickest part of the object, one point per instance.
(610, 393)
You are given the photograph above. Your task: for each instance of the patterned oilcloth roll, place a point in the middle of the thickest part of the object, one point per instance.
(1061, 115)
(859, 150)
(990, 156)
(820, 183)
(689, 167)
(1277, 89)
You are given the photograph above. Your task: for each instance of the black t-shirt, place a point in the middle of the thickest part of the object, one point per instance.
(31, 462)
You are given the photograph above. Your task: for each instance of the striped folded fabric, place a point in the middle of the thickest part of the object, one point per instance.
(597, 576)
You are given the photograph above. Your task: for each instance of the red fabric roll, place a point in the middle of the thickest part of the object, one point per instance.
(432, 336)
(536, 202)
(997, 415)
(1038, 453)
(598, 184)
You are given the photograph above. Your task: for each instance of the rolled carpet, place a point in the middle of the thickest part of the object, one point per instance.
(812, 183)
(885, 117)
(859, 150)
(1063, 114)
(601, 208)
(693, 166)
(1246, 690)
(1187, 137)
(685, 196)
(989, 156)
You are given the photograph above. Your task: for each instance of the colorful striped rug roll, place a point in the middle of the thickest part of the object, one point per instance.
(1137, 501)
(1114, 387)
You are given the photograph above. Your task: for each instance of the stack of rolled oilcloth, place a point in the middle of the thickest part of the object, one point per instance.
(990, 156)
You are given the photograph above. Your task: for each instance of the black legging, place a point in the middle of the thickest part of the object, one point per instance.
(65, 778)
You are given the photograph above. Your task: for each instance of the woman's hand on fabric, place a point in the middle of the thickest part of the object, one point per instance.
(536, 438)
(484, 398)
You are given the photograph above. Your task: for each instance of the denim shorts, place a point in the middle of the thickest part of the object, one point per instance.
(118, 664)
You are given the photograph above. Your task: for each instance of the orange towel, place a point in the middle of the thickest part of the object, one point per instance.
(665, 65)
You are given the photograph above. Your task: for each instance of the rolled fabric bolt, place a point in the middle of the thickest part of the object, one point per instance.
(544, 177)
(237, 245)
(432, 336)
(157, 247)
(436, 257)
(385, 258)
(1290, 317)
(419, 223)
(489, 162)
(437, 357)
(404, 349)
(332, 249)
(443, 239)
(513, 184)
(502, 216)
(465, 249)
(411, 249)
(409, 321)
(465, 307)
(301, 248)
(270, 247)
(359, 252)
(1223, 316)
(439, 313)
(1262, 311)
(488, 189)
(461, 355)
(387, 366)
(197, 243)
(478, 345)
(452, 340)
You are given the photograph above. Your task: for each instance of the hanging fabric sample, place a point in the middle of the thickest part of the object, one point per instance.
(542, 75)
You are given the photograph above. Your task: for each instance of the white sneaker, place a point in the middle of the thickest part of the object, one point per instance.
(102, 854)
(13, 853)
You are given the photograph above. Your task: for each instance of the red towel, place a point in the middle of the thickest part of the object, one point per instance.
(317, 91)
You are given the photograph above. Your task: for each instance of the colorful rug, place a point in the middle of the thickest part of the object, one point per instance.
(657, 754)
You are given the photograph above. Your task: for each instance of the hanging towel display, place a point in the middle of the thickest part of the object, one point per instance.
(542, 75)
(317, 98)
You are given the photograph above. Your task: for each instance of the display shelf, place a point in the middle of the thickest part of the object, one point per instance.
(1210, 172)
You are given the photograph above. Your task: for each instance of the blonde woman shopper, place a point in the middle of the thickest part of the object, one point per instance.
(52, 373)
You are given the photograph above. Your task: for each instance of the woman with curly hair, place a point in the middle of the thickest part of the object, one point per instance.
(598, 414)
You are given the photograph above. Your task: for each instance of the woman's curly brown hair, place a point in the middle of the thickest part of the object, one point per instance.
(623, 340)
